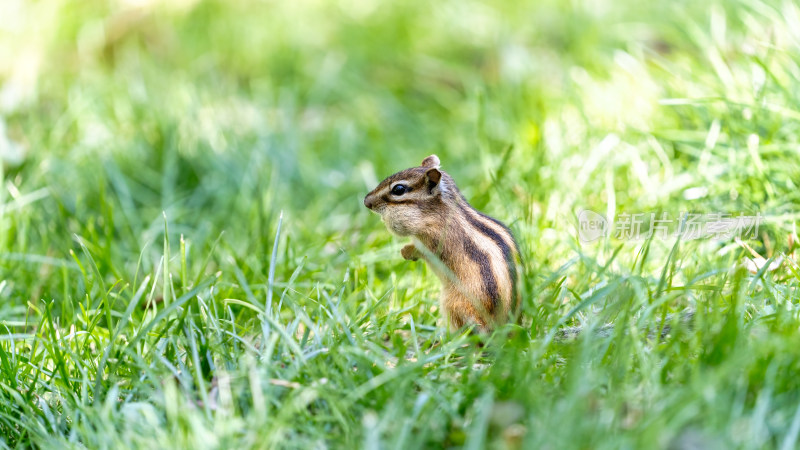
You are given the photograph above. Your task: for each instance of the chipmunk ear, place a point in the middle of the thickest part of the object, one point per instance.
(433, 177)
(431, 161)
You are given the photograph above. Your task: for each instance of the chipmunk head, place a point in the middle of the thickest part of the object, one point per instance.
(409, 201)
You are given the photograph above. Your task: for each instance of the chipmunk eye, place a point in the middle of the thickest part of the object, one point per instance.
(399, 189)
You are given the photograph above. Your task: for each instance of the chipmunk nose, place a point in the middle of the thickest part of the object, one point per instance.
(368, 202)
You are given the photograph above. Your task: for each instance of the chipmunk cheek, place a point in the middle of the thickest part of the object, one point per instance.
(386, 217)
(400, 229)
(395, 223)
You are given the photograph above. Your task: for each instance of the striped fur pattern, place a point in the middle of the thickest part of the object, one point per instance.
(474, 255)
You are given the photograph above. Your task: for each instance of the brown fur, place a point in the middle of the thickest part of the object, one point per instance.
(474, 255)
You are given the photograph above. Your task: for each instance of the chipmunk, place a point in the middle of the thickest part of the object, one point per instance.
(474, 255)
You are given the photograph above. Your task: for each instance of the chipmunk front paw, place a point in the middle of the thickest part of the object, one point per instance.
(410, 253)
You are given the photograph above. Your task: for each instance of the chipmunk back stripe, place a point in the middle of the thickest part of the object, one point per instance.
(498, 240)
(496, 222)
(467, 209)
(480, 258)
(502, 226)
(512, 272)
(488, 232)
(511, 259)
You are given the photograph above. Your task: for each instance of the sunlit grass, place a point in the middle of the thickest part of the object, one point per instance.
(185, 260)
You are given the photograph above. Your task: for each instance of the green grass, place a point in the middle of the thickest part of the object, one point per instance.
(185, 260)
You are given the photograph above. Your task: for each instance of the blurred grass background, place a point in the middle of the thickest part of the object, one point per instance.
(149, 149)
